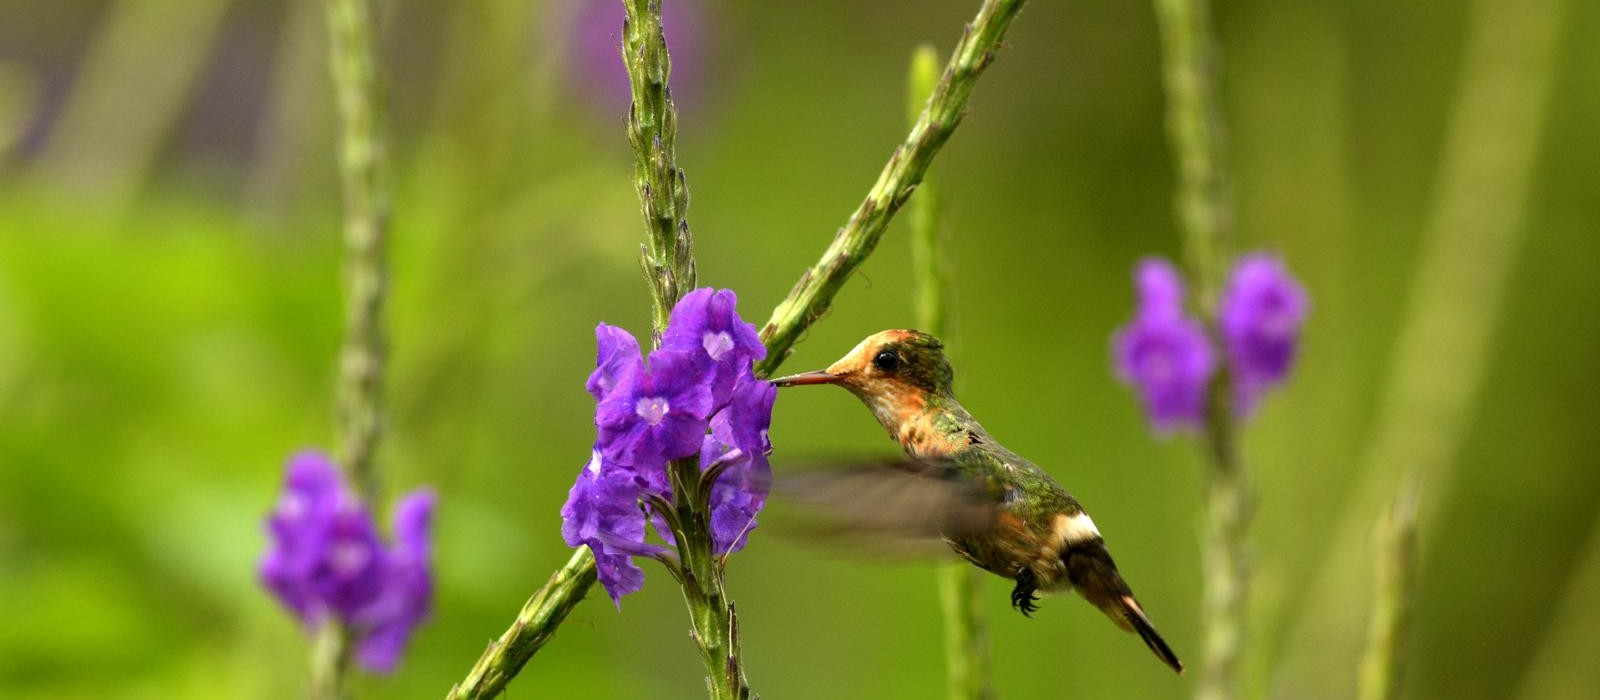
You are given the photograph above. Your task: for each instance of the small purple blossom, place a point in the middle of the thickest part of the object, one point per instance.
(655, 413)
(326, 558)
(1263, 309)
(298, 526)
(603, 512)
(407, 597)
(1164, 353)
(1159, 286)
(748, 416)
(706, 325)
(1167, 356)
(658, 411)
(741, 492)
(618, 352)
(738, 495)
(352, 571)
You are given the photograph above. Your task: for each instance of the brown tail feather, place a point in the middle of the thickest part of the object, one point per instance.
(1141, 624)
(1092, 571)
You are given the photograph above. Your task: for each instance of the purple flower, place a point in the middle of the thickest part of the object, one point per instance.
(618, 352)
(744, 422)
(738, 495)
(655, 413)
(352, 571)
(705, 325)
(407, 596)
(650, 413)
(1164, 353)
(1263, 309)
(602, 511)
(326, 558)
(1159, 286)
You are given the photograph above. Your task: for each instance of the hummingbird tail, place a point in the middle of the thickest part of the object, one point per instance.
(1095, 576)
(1141, 624)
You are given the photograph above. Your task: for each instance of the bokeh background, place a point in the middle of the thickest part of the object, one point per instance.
(169, 315)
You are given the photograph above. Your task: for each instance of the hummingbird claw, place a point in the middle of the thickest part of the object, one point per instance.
(1022, 597)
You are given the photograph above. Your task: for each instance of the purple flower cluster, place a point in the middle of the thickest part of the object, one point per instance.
(326, 559)
(652, 412)
(1166, 355)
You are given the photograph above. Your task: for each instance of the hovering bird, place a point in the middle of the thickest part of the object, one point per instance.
(994, 508)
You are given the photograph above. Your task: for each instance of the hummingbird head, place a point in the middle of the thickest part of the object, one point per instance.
(888, 365)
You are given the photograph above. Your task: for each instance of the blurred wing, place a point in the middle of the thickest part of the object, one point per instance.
(890, 503)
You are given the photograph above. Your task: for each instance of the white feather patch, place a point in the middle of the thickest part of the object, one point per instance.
(1072, 529)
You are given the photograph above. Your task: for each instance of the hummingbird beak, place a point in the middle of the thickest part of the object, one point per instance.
(817, 377)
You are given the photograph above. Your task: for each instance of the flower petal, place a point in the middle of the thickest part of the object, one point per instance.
(1262, 312)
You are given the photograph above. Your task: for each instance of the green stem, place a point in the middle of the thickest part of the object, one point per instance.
(966, 643)
(927, 241)
(1226, 569)
(712, 617)
(359, 402)
(1396, 573)
(1205, 216)
(1195, 127)
(670, 267)
(966, 636)
(535, 625)
(362, 165)
(330, 662)
(813, 294)
(653, 132)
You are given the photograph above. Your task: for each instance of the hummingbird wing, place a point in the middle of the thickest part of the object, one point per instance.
(892, 500)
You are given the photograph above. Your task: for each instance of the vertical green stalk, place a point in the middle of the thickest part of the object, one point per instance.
(362, 152)
(966, 644)
(1194, 125)
(1395, 578)
(653, 131)
(1205, 216)
(927, 237)
(362, 170)
(669, 267)
(330, 662)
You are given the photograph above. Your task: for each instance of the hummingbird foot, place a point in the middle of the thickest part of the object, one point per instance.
(1022, 597)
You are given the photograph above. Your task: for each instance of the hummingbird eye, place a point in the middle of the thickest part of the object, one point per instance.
(886, 361)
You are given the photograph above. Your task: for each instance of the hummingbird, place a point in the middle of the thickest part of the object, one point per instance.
(991, 506)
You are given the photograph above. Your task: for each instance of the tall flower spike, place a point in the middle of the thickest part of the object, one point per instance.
(1163, 353)
(655, 413)
(706, 325)
(1263, 309)
(595, 71)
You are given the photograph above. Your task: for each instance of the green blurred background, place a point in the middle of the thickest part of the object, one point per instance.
(169, 315)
